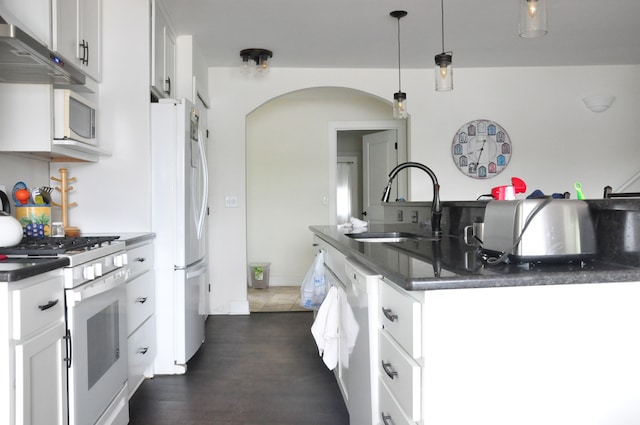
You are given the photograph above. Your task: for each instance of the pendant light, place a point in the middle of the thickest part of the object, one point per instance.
(443, 68)
(533, 18)
(399, 98)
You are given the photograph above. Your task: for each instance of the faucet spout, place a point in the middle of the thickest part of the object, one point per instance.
(436, 206)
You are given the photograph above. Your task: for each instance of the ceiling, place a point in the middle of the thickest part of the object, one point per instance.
(361, 34)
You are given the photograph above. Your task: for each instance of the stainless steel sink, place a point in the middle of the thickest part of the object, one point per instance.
(386, 236)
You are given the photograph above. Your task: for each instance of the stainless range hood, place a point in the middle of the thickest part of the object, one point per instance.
(24, 59)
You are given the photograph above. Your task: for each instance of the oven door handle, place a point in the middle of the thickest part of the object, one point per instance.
(104, 284)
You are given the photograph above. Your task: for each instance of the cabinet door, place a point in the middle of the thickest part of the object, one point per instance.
(163, 47)
(157, 47)
(169, 62)
(41, 378)
(66, 31)
(90, 41)
(77, 33)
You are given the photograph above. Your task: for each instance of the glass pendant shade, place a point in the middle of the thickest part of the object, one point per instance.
(533, 18)
(263, 65)
(443, 72)
(399, 105)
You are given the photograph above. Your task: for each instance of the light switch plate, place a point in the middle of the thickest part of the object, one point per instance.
(231, 201)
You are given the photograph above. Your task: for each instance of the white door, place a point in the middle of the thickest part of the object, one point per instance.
(380, 156)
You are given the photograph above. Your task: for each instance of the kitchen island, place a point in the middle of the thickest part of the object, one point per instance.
(455, 341)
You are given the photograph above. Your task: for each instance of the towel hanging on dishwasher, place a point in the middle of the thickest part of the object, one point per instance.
(334, 322)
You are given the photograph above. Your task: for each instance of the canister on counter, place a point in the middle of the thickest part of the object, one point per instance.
(35, 220)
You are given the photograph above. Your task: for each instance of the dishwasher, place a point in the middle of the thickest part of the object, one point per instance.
(363, 391)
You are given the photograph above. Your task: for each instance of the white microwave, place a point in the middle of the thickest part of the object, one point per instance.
(74, 117)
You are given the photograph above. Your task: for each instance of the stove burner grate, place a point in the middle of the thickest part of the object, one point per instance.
(57, 246)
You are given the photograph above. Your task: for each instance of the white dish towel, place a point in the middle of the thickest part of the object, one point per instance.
(333, 314)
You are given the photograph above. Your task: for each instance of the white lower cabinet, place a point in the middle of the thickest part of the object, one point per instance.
(390, 412)
(33, 356)
(399, 355)
(40, 378)
(141, 326)
(142, 350)
(401, 374)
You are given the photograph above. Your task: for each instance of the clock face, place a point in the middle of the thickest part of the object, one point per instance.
(481, 149)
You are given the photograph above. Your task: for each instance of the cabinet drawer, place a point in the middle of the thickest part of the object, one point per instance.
(140, 259)
(142, 350)
(389, 411)
(400, 316)
(37, 306)
(401, 374)
(140, 300)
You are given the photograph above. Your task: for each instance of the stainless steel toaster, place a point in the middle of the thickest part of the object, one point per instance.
(532, 230)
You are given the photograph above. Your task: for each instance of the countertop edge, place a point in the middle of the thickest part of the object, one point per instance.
(41, 266)
(624, 274)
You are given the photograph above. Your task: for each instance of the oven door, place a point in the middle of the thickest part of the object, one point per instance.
(96, 320)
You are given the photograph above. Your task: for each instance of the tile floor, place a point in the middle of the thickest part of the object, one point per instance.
(275, 298)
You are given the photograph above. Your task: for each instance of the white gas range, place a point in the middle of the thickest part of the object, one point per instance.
(95, 301)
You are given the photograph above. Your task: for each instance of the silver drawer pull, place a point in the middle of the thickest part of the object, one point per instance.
(143, 350)
(140, 259)
(48, 305)
(387, 369)
(386, 419)
(387, 313)
(141, 300)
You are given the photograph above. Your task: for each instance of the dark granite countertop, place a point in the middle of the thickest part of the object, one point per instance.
(451, 264)
(14, 269)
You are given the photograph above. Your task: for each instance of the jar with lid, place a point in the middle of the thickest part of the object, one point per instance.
(57, 230)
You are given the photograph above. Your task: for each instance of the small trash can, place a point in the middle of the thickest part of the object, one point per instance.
(259, 275)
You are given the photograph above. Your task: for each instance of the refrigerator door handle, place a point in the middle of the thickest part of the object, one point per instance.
(205, 185)
(196, 272)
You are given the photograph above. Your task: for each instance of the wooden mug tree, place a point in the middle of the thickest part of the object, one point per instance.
(64, 202)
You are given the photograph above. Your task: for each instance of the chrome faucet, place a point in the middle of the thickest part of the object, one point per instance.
(436, 206)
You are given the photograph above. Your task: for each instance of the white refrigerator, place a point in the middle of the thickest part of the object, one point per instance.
(179, 212)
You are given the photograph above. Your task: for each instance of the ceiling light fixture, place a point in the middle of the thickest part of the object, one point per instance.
(443, 69)
(533, 18)
(399, 98)
(259, 56)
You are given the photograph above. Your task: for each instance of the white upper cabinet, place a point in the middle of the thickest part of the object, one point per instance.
(191, 72)
(77, 26)
(163, 53)
(33, 17)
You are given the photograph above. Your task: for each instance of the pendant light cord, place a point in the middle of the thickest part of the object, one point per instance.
(399, 79)
(442, 22)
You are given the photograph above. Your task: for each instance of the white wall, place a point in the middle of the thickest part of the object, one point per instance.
(556, 139)
(113, 195)
(288, 174)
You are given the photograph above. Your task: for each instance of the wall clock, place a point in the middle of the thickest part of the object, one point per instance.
(481, 149)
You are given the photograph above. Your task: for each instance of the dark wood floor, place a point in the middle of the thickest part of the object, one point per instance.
(261, 369)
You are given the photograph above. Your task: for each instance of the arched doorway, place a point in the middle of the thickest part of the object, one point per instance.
(291, 165)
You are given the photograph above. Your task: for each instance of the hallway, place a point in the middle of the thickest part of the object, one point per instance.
(261, 369)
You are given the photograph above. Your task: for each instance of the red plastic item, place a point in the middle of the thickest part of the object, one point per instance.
(508, 192)
(22, 195)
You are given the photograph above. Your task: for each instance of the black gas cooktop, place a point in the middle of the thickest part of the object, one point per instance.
(57, 246)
